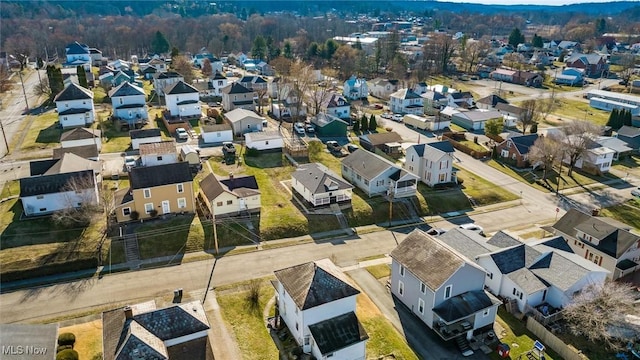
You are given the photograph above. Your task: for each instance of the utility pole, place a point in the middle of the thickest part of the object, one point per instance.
(390, 196)
(4, 136)
(215, 233)
(559, 175)
(24, 92)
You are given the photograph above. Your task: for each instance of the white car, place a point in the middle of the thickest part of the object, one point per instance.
(397, 117)
(182, 133)
(298, 128)
(473, 227)
(129, 162)
(636, 192)
(310, 129)
(386, 116)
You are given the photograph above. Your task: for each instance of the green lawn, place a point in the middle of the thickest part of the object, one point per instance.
(43, 133)
(576, 109)
(630, 164)
(483, 191)
(578, 179)
(379, 271)
(517, 333)
(10, 188)
(473, 146)
(173, 236)
(99, 95)
(248, 324)
(113, 140)
(628, 213)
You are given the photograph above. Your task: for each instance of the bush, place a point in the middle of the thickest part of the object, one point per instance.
(134, 215)
(66, 339)
(460, 181)
(252, 152)
(68, 354)
(63, 347)
(153, 213)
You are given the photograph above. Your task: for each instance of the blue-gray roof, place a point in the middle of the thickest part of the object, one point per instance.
(523, 142)
(515, 258)
(338, 333)
(463, 305)
(443, 146)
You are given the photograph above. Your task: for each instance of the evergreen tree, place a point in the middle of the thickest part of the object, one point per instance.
(373, 124)
(54, 74)
(613, 118)
(516, 37)
(534, 128)
(364, 123)
(626, 120)
(259, 48)
(287, 51)
(356, 125)
(159, 44)
(330, 47)
(82, 77)
(174, 52)
(537, 41)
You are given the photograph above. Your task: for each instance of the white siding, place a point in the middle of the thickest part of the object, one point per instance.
(54, 202)
(151, 160)
(217, 136)
(186, 110)
(265, 144)
(356, 351)
(82, 142)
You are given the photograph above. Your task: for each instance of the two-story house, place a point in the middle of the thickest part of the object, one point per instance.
(75, 106)
(405, 101)
(162, 80)
(432, 162)
(596, 159)
(376, 175)
(158, 153)
(183, 100)
(595, 65)
(355, 88)
(442, 287)
(317, 303)
(320, 186)
(601, 240)
(129, 103)
(382, 88)
(516, 149)
(236, 96)
(235, 195)
(338, 106)
(216, 83)
(78, 54)
(156, 190)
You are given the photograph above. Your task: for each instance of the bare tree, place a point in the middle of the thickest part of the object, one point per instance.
(183, 65)
(530, 114)
(598, 313)
(513, 60)
(5, 79)
(80, 202)
(301, 79)
(474, 51)
(546, 150)
(42, 88)
(578, 135)
(261, 93)
(207, 69)
(439, 51)
(628, 64)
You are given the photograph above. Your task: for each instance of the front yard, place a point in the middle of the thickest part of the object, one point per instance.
(628, 213)
(44, 133)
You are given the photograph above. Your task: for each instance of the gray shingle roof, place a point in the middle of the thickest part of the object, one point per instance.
(629, 131)
(443, 146)
(85, 151)
(463, 305)
(381, 138)
(319, 179)
(428, 259)
(150, 176)
(517, 257)
(466, 242)
(527, 281)
(313, 284)
(79, 134)
(367, 164)
(51, 184)
(180, 87)
(338, 333)
(523, 142)
(558, 271)
(126, 89)
(74, 92)
(144, 133)
(503, 240)
(492, 100)
(236, 88)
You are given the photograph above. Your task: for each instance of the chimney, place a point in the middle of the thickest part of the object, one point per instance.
(128, 312)
(231, 176)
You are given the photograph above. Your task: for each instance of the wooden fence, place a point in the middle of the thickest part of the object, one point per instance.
(465, 149)
(550, 340)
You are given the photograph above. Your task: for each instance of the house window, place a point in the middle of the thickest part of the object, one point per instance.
(400, 288)
(120, 101)
(486, 312)
(366, 182)
(180, 187)
(182, 203)
(447, 291)
(423, 288)
(219, 203)
(126, 211)
(159, 158)
(43, 209)
(401, 270)
(421, 306)
(147, 193)
(358, 177)
(229, 202)
(148, 207)
(442, 177)
(490, 275)
(40, 197)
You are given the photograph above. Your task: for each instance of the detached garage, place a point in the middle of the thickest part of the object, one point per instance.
(264, 140)
(475, 120)
(216, 133)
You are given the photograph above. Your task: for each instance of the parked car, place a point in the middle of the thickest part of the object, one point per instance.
(636, 192)
(386, 115)
(309, 129)
(333, 146)
(397, 117)
(298, 128)
(228, 148)
(436, 231)
(473, 227)
(129, 162)
(352, 147)
(182, 133)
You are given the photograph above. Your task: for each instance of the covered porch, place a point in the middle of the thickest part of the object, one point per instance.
(403, 184)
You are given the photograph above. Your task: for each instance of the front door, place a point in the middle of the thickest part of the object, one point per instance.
(165, 207)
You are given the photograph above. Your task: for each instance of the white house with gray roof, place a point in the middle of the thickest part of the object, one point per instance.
(75, 106)
(376, 175)
(442, 287)
(183, 100)
(405, 101)
(320, 186)
(317, 303)
(129, 103)
(432, 162)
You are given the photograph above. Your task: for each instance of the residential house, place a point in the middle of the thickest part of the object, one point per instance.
(383, 88)
(601, 240)
(264, 140)
(570, 76)
(462, 99)
(490, 102)
(142, 331)
(265, 69)
(420, 88)
(320, 186)
(511, 114)
(355, 88)
(329, 126)
(158, 153)
(156, 190)
(338, 106)
(58, 184)
(96, 56)
(405, 101)
(216, 83)
(608, 100)
(442, 287)
(431, 162)
(144, 136)
(502, 74)
(235, 195)
(75, 106)
(516, 149)
(243, 121)
(216, 64)
(254, 82)
(163, 80)
(78, 54)
(376, 175)
(89, 152)
(631, 136)
(568, 45)
(388, 142)
(596, 158)
(81, 137)
(527, 78)
(434, 99)
(159, 64)
(236, 96)
(475, 120)
(317, 303)
(366, 43)
(121, 77)
(119, 64)
(619, 147)
(595, 65)
(183, 100)
(216, 133)
(129, 103)
(69, 75)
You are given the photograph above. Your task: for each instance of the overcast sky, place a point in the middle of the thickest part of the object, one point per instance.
(528, 2)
